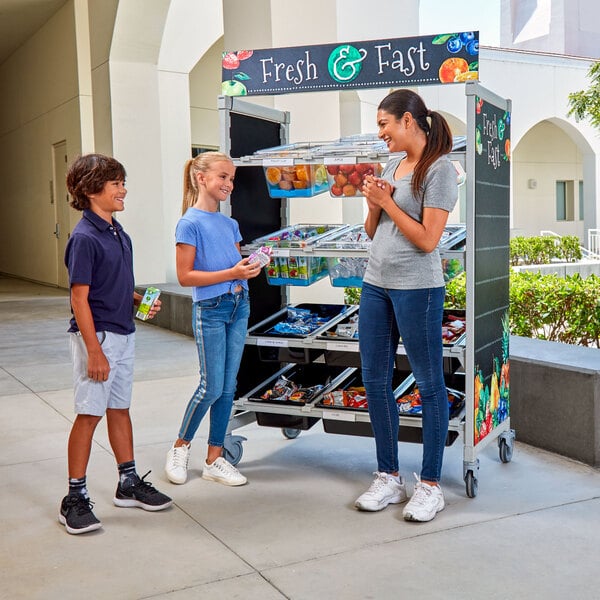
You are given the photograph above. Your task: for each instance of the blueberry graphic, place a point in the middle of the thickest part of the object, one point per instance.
(454, 45)
(473, 47)
(466, 37)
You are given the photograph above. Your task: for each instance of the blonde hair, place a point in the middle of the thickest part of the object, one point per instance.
(199, 164)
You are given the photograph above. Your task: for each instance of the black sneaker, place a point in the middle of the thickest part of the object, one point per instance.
(76, 514)
(142, 495)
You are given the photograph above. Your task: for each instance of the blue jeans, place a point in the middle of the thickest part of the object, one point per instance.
(220, 326)
(416, 315)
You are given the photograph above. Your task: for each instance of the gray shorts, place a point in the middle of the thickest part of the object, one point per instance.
(94, 397)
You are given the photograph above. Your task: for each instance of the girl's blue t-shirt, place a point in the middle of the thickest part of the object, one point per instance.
(214, 235)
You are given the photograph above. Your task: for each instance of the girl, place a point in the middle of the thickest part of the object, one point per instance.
(209, 260)
(403, 294)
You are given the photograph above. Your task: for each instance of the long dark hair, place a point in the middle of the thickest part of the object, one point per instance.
(437, 130)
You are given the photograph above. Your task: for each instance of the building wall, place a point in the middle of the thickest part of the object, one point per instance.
(546, 155)
(147, 89)
(39, 106)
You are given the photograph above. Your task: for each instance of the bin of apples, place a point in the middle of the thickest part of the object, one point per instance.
(347, 180)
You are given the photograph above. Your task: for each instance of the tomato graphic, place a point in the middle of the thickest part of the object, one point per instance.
(230, 61)
(244, 54)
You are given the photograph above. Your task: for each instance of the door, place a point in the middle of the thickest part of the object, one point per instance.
(62, 210)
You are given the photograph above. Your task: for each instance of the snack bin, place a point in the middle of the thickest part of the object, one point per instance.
(288, 268)
(281, 413)
(347, 270)
(294, 180)
(295, 322)
(335, 404)
(346, 180)
(290, 171)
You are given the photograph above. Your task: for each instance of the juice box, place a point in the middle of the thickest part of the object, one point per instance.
(150, 296)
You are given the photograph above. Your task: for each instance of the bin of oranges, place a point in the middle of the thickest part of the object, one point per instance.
(296, 181)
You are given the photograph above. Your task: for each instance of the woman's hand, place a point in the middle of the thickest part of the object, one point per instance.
(377, 192)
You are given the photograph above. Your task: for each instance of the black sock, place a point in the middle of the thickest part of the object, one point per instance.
(127, 474)
(77, 486)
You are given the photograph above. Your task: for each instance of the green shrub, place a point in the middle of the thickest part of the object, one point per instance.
(538, 250)
(548, 307)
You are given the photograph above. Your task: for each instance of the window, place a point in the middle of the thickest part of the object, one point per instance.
(581, 213)
(200, 149)
(565, 200)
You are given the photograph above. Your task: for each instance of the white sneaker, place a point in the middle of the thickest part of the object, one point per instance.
(425, 503)
(177, 463)
(223, 472)
(385, 489)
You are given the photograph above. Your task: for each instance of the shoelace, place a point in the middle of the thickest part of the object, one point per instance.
(180, 456)
(146, 485)
(81, 504)
(421, 494)
(379, 482)
(225, 467)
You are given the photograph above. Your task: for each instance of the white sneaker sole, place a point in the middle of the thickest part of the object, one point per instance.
(229, 482)
(377, 507)
(92, 527)
(132, 503)
(174, 479)
(411, 516)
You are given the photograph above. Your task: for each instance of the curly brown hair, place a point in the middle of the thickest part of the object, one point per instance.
(88, 174)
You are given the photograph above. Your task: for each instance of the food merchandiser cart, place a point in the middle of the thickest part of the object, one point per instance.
(476, 363)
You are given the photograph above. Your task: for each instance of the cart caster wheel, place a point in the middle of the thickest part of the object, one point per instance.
(505, 450)
(471, 484)
(233, 449)
(289, 433)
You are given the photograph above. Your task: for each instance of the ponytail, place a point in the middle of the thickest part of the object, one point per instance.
(193, 166)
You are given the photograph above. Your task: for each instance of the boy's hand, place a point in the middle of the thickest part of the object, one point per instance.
(98, 368)
(156, 306)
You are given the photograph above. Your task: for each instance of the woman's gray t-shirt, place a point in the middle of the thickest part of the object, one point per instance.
(395, 262)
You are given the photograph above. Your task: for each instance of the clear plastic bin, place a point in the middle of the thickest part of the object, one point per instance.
(346, 180)
(297, 270)
(347, 271)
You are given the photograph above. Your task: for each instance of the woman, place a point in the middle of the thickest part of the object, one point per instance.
(403, 295)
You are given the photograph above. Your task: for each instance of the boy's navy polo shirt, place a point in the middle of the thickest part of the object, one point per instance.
(99, 254)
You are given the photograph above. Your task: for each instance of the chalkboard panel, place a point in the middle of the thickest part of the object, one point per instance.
(490, 237)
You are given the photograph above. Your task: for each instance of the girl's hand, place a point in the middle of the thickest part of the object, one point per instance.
(246, 270)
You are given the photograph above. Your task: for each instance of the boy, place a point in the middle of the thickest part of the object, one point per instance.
(99, 259)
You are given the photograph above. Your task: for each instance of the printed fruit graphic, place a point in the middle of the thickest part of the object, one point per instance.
(454, 45)
(451, 68)
(467, 76)
(230, 61)
(233, 88)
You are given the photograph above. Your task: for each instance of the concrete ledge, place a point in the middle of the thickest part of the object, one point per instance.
(555, 397)
(176, 312)
(584, 268)
(554, 387)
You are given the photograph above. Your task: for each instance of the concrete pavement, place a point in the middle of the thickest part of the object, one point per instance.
(292, 532)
